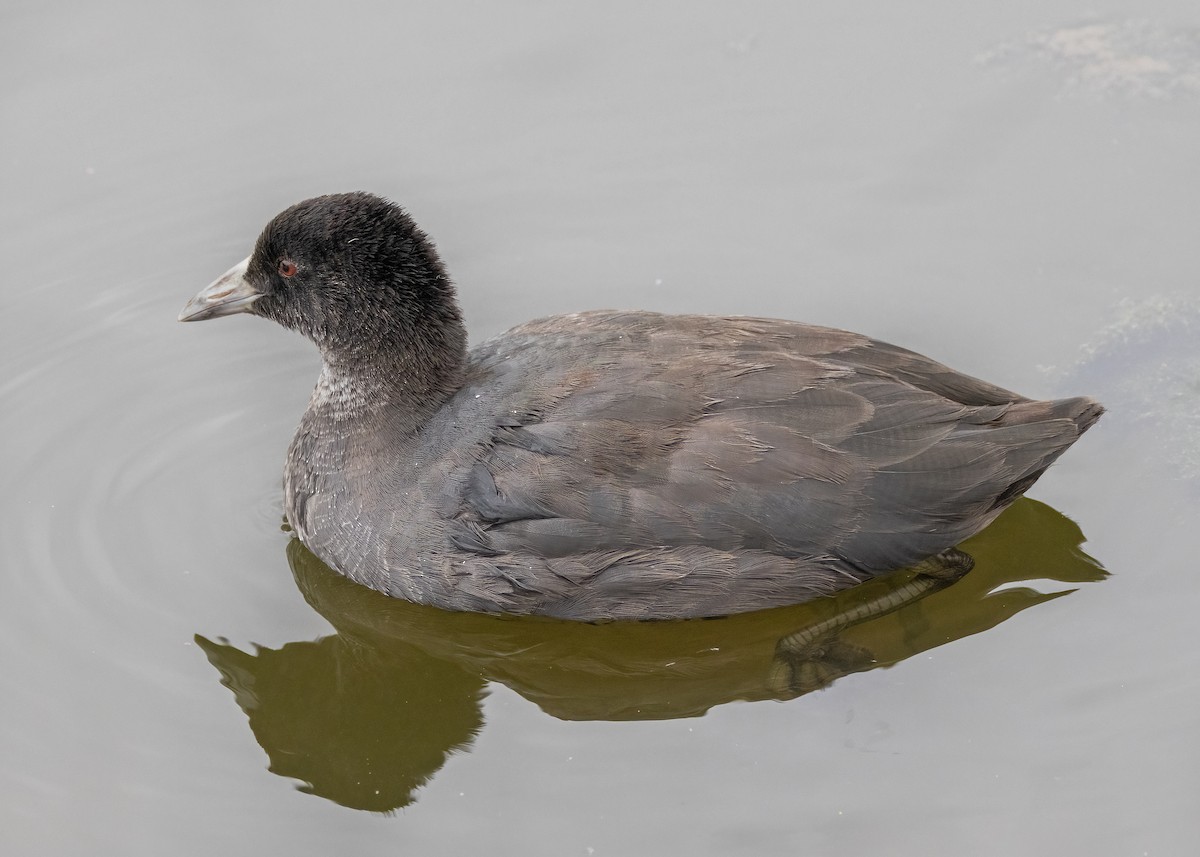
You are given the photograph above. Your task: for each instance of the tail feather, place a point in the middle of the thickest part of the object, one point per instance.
(1082, 411)
(1075, 415)
(1086, 411)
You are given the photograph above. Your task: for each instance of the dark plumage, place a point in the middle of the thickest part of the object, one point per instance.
(613, 464)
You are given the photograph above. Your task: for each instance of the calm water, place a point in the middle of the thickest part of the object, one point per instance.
(1013, 192)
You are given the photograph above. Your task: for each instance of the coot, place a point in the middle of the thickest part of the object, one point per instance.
(613, 465)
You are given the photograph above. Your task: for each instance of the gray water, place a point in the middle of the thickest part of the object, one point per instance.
(1011, 190)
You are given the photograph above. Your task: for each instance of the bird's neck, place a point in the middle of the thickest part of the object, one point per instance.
(402, 383)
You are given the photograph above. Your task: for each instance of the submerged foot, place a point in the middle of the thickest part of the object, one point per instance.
(814, 656)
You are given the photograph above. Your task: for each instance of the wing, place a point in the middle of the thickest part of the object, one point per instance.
(743, 435)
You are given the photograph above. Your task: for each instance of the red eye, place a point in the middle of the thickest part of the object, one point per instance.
(287, 268)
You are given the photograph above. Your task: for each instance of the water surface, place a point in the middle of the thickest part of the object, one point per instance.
(1011, 191)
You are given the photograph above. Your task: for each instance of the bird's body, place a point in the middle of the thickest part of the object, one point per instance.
(611, 465)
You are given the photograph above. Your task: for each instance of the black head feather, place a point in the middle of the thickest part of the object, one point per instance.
(365, 284)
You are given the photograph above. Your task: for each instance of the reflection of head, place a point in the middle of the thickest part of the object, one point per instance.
(362, 730)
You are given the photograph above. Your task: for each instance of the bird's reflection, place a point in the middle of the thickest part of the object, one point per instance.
(366, 716)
